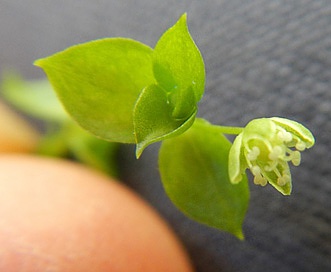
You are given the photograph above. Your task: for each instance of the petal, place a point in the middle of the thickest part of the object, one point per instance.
(296, 129)
(261, 128)
(273, 178)
(236, 160)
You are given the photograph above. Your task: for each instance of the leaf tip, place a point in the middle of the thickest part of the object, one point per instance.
(240, 235)
(38, 63)
(183, 20)
(139, 149)
(183, 16)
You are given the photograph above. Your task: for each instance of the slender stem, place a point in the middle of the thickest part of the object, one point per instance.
(231, 130)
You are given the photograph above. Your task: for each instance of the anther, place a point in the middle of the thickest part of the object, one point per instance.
(282, 180)
(301, 146)
(296, 158)
(253, 153)
(260, 180)
(284, 136)
(275, 153)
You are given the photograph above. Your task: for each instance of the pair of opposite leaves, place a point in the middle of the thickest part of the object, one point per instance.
(123, 91)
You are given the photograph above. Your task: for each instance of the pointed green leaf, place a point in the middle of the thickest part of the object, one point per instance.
(70, 140)
(35, 97)
(153, 120)
(92, 151)
(99, 82)
(62, 137)
(169, 107)
(194, 172)
(179, 69)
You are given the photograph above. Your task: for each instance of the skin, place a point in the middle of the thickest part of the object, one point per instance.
(60, 216)
(16, 134)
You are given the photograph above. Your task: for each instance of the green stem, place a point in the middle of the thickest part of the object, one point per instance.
(231, 130)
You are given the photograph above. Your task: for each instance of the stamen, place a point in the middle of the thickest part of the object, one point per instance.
(253, 153)
(276, 171)
(260, 180)
(296, 158)
(255, 170)
(284, 136)
(272, 165)
(282, 180)
(275, 153)
(301, 146)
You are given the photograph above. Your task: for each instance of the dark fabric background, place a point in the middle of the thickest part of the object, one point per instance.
(263, 58)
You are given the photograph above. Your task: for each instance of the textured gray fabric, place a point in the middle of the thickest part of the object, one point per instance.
(263, 58)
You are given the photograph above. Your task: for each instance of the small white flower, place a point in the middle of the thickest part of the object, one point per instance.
(265, 146)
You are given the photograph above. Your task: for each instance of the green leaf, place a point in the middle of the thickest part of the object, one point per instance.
(194, 172)
(123, 91)
(71, 141)
(168, 108)
(63, 137)
(99, 82)
(179, 69)
(35, 97)
(86, 148)
(98, 154)
(153, 120)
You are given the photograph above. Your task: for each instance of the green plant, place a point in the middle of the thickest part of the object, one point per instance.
(62, 137)
(124, 91)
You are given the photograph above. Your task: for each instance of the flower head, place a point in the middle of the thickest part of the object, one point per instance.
(265, 146)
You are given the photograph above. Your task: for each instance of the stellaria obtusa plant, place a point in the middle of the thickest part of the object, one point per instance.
(124, 91)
